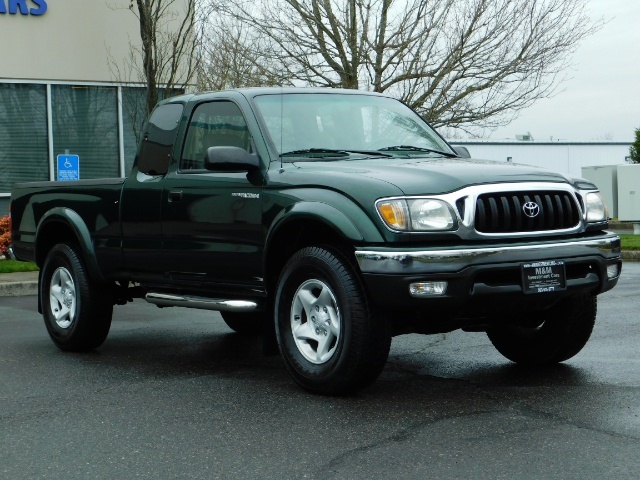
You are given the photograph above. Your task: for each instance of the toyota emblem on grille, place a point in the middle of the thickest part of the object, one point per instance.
(531, 209)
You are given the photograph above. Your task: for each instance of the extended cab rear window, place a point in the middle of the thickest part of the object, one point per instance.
(159, 136)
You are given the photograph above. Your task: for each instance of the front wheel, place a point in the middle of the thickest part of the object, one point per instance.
(331, 340)
(548, 337)
(77, 311)
(245, 323)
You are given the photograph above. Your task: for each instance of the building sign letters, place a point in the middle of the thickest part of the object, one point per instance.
(23, 7)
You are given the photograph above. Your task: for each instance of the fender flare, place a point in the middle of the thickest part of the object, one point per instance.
(320, 211)
(356, 231)
(72, 220)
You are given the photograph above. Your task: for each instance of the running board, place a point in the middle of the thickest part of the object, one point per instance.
(164, 300)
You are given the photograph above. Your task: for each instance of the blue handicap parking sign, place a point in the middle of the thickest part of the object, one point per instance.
(68, 167)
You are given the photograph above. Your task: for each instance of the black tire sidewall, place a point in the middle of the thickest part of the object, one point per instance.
(565, 331)
(94, 305)
(305, 265)
(60, 256)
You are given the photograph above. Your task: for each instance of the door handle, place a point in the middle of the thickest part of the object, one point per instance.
(175, 196)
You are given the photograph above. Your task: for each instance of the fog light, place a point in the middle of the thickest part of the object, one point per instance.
(427, 289)
(613, 271)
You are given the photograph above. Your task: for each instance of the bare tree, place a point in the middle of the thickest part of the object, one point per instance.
(169, 45)
(234, 55)
(460, 63)
(165, 58)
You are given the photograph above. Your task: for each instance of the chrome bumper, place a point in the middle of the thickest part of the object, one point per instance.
(410, 261)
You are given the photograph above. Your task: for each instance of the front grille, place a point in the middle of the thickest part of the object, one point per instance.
(504, 212)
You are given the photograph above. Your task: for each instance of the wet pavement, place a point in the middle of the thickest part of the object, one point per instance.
(174, 394)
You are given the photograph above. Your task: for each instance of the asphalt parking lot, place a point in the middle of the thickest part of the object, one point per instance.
(173, 393)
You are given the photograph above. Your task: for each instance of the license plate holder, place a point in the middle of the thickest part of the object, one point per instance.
(543, 277)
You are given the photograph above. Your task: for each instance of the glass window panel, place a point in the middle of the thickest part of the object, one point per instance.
(349, 122)
(85, 123)
(214, 124)
(24, 155)
(159, 137)
(134, 114)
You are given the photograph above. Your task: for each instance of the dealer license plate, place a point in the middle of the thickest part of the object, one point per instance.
(542, 277)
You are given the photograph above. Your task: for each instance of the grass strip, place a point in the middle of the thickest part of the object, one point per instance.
(11, 266)
(630, 241)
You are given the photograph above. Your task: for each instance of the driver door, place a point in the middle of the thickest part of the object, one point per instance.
(212, 221)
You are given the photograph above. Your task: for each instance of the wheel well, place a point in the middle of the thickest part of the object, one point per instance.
(50, 235)
(292, 237)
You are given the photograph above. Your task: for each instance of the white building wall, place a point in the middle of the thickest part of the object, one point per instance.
(565, 157)
(53, 45)
(629, 193)
(70, 42)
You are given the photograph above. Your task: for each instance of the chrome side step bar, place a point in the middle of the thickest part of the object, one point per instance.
(164, 300)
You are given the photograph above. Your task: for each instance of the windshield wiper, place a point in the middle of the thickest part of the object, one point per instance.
(411, 148)
(314, 151)
(332, 152)
(376, 153)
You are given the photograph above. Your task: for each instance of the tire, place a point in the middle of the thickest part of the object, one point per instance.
(76, 310)
(250, 323)
(331, 341)
(561, 332)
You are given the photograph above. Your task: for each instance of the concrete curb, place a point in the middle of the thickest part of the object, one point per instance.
(18, 284)
(631, 256)
(18, 289)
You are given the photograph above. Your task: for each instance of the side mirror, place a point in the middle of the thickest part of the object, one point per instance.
(462, 152)
(230, 159)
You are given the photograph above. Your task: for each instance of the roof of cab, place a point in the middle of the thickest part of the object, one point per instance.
(257, 91)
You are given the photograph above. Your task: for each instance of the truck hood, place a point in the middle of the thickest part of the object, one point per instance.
(419, 176)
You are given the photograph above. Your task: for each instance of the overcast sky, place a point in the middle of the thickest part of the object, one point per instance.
(602, 99)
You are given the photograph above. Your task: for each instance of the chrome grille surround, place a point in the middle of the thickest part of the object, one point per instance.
(464, 203)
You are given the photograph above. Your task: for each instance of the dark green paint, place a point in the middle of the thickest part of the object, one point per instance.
(210, 232)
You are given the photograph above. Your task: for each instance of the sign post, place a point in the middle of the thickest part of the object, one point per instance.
(68, 167)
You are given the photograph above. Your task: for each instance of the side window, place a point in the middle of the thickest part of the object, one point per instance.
(160, 132)
(214, 124)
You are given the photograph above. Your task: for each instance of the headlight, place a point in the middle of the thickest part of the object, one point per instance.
(429, 214)
(416, 214)
(596, 208)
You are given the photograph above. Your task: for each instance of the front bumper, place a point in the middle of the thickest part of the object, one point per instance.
(484, 279)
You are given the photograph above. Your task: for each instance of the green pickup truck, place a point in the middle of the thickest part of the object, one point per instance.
(328, 221)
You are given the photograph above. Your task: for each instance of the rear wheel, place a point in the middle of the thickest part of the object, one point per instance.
(552, 336)
(77, 311)
(331, 341)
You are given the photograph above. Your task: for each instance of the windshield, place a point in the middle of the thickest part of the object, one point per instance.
(308, 124)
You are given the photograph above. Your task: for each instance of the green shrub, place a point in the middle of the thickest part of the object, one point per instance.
(634, 150)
